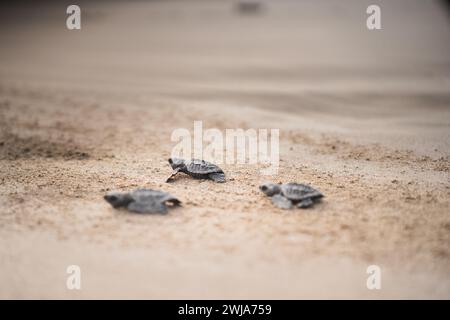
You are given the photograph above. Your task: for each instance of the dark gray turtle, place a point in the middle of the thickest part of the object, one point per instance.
(198, 169)
(286, 196)
(142, 200)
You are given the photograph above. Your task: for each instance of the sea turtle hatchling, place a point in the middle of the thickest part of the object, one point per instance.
(142, 200)
(286, 196)
(198, 169)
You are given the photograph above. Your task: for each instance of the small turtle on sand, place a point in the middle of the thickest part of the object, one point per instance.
(142, 200)
(286, 196)
(198, 169)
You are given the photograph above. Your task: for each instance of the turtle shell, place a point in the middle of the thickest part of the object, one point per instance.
(196, 166)
(150, 195)
(299, 192)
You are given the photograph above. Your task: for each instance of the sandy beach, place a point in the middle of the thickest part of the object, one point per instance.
(363, 115)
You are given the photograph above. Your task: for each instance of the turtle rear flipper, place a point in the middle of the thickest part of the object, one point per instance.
(306, 203)
(281, 202)
(147, 207)
(217, 176)
(173, 201)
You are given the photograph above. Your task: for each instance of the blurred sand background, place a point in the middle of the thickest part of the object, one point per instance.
(363, 115)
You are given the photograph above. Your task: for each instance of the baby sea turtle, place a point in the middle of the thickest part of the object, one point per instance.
(286, 196)
(198, 169)
(142, 200)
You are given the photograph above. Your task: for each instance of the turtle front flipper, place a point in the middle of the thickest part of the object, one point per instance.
(147, 207)
(173, 174)
(306, 203)
(217, 176)
(281, 202)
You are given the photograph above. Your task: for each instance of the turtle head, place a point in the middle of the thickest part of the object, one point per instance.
(176, 163)
(270, 189)
(117, 199)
